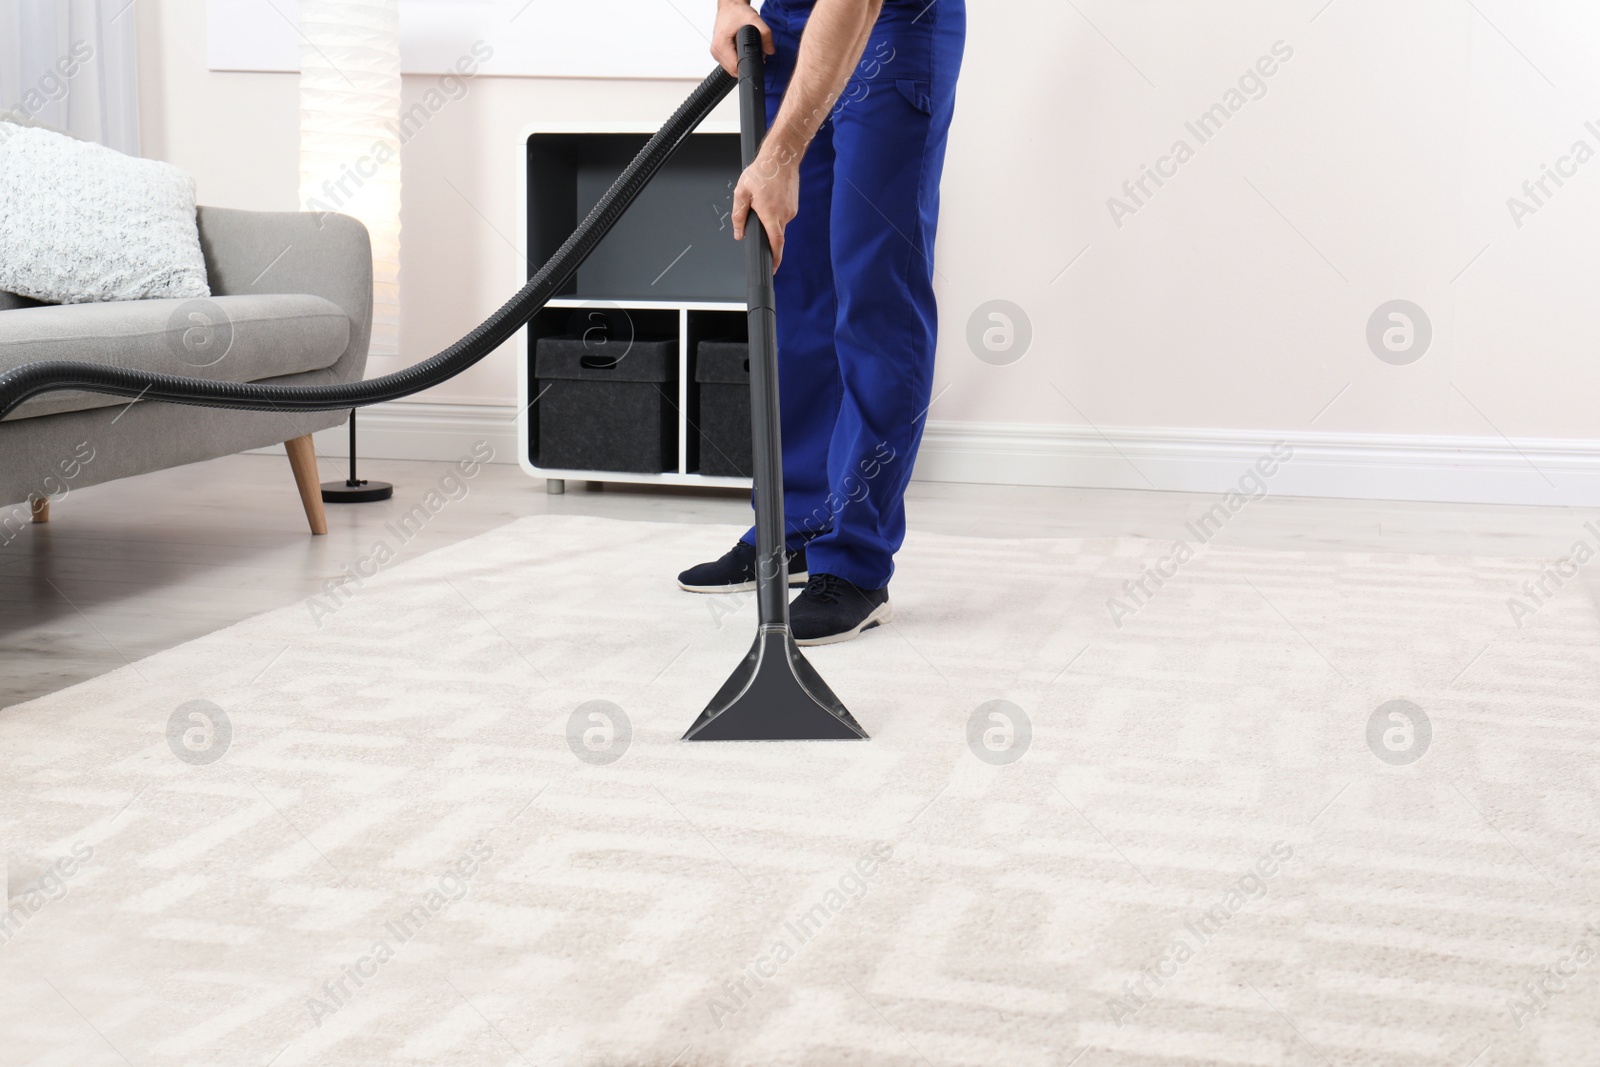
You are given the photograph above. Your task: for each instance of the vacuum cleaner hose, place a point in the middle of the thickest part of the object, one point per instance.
(32, 379)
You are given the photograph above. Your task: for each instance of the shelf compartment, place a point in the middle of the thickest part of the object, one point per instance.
(674, 243)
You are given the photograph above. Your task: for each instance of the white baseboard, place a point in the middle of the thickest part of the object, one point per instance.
(424, 431)
(1481, 470)
(1476, 470)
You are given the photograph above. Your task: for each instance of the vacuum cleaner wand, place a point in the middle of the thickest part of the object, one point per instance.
(774, 694)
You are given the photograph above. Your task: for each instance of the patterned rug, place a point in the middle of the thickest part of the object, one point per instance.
(1119, 807)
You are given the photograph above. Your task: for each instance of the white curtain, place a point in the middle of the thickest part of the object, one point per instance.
(72, 64)
(349, 139)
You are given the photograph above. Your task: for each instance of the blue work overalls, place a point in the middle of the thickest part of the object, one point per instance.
(857, 321)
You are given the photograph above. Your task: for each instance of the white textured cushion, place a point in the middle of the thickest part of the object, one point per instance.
(80, 222)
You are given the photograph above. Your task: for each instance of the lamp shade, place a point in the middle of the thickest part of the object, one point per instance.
(349, 142)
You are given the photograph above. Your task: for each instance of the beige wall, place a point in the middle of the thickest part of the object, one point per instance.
(237, 133)
(1376, 166)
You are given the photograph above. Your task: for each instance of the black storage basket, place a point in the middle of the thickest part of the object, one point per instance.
(722, 373)
(604, 411)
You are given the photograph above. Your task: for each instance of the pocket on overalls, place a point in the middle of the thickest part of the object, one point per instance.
(916, 94)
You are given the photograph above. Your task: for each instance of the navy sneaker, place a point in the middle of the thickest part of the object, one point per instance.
(735, 572)
(831, 609)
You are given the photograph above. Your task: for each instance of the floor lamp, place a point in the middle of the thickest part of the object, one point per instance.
(350, 159)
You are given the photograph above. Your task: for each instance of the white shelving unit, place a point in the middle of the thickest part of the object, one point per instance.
(526, 396)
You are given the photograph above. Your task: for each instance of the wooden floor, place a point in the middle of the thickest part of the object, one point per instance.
(128, 569)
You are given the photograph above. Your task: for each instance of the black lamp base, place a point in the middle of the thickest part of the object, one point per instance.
(354, 490)
(361, 492)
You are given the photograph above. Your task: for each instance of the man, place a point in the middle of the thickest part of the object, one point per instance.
(860, 95)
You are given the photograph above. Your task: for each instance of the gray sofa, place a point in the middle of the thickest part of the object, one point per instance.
(291, 302)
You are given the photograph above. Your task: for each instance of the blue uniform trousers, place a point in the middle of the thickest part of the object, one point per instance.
(857, 321)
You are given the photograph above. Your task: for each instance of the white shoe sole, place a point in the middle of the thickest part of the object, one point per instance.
(743, 587)
(880, 614)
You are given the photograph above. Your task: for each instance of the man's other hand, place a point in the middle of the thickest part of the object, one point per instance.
(732, 16)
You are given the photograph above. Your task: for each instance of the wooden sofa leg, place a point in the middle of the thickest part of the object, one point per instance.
(303, 460)
(41, 508)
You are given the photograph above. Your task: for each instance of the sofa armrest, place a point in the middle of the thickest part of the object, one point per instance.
(327, 255)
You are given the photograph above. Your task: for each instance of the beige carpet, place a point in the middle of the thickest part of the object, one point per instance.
(399, 859)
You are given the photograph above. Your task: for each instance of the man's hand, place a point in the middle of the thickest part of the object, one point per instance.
(771, 187)
(835, 36)
(732, 16)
